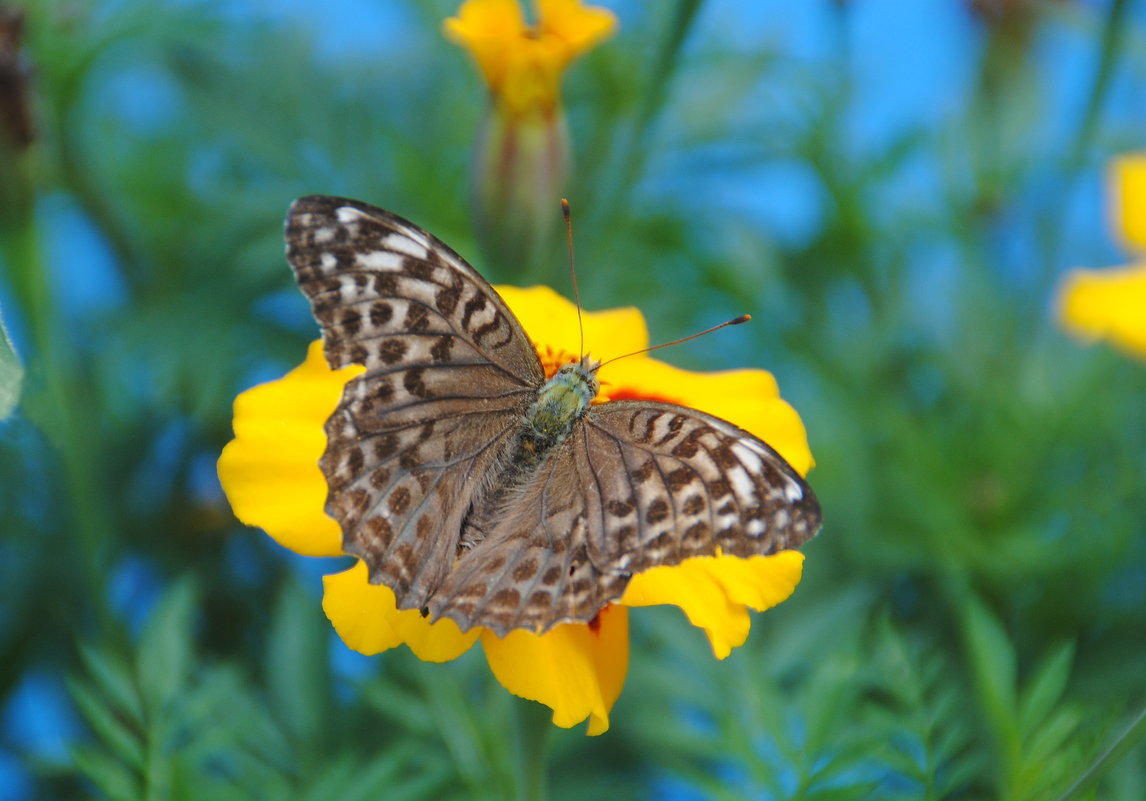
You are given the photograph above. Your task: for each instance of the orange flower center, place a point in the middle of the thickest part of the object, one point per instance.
(553, 359)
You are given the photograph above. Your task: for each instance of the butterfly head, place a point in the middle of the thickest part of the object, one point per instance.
(580, 378)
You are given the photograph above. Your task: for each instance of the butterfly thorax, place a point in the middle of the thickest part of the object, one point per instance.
(560, 403)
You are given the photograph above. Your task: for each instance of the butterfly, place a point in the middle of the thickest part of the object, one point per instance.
(479, 490)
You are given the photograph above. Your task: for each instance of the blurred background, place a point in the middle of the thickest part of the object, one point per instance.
(892, 189)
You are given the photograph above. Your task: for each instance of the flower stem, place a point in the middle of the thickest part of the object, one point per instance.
(1110, 48)
(634, 151)
(533, 725)
(58, 401)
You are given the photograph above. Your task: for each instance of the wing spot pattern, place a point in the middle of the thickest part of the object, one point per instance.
(379, 478)
(386, 261)
(381, 313)
(657, 512)
(551, 576)
(399, 500)
(405, 244)
(392, 351)
(620, 508)
(440, 352)
(525, 569)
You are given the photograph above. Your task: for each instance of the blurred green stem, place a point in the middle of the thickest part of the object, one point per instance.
(633, 153)
(61, 407)
(533, 725)
(1113, 33)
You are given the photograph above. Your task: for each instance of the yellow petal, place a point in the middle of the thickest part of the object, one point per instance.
(577, 670)
(368, 620)
(270, 472)
(1106, 304)
(488, 29)
(578, 27)
(551, 321)
(747, 398)
(1127, 181)
(713, 591)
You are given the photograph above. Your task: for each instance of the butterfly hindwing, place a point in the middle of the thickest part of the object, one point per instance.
(449, 372)
(669, 483)
(637, 484)
(532, 570)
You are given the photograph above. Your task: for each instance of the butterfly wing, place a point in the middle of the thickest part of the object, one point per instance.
(449, 373)
(532, 570)
(669, 483)
(637, 484)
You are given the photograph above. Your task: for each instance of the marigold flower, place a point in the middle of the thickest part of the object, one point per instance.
(522, 64)
(271, 476)
(521, 152)
(1110, 304)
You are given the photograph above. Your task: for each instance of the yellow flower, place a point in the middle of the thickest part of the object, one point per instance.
(1111, 304)
(271, 476)
(521, 63)
(522, 153)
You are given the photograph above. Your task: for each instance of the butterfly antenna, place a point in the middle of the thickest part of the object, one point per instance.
(573, 272)
(737, 321)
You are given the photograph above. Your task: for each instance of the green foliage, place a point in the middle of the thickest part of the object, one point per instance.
(169, 724)
(11, 374)
(971, 623)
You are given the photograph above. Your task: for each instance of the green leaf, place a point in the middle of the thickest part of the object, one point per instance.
(992, 659)
(112, 778)
(113, 681)
(165, 646)
(1046, 688)
(11, 374)
(119, 734)
(297, 667)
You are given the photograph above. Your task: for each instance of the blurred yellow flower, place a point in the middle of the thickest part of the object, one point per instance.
(522, 63)
(522, 154)
(1127, 187)
(1110, 304)
(271, 476)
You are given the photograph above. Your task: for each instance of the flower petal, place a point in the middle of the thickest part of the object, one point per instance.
(487, 28)
(551, 320)
(577, 670)
(577, 27)
(713, 591)
(367, 619)
(1127, 181)
(269, 471)
(748, 398)
(1106, 304)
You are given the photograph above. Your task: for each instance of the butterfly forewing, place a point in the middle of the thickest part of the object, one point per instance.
(420, 456)
(449, 373)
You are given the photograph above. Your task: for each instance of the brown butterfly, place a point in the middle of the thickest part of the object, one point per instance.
(476, 489)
